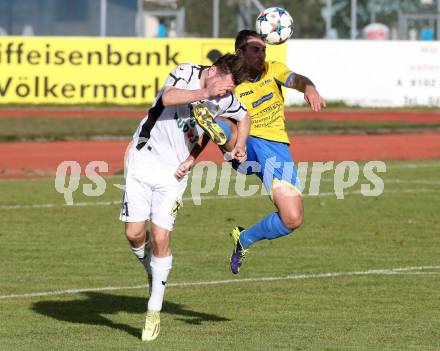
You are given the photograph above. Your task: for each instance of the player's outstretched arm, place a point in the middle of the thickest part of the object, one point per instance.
(187, 164)
(176, 96)
(306, 86)
(243, 129)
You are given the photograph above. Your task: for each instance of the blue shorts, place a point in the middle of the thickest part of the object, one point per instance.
(270, 161)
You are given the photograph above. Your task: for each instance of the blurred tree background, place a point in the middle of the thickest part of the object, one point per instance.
(308, 15)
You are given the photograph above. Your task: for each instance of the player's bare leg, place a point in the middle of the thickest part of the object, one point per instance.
(161, 263)
(135, 233)
(288, 200)
(160, 239)
(138, 239)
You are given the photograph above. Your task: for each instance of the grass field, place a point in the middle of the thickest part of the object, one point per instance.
(12, 129)
(362, 273)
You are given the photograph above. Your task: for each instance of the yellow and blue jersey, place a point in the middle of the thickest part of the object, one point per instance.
(263, 98)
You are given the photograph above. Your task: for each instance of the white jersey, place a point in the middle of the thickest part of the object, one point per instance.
(170, 132)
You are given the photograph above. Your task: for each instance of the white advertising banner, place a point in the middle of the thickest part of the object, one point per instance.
(369, 73)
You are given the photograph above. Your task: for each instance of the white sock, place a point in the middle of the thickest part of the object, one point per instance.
(143, 253)
(139, 252)
(160, 268)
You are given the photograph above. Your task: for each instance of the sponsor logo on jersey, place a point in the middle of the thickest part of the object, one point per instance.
(188, 127)
(246, 93)
(265, 82)
(264, 98)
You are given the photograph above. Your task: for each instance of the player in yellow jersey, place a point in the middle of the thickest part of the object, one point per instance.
(268, 153)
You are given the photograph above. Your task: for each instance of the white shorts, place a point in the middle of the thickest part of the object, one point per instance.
(151, 192)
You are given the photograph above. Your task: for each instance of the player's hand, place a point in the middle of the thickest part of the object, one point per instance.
(184, 168)
(313, 98)
(218, 87)
(239, 153)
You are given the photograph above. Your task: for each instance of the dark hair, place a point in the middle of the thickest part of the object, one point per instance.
(242, 36)
(234, 65)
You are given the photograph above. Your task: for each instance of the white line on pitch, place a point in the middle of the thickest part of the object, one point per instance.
(189, 198)
(414, 165)
(417, 181)
(392, 181)
(389, 271)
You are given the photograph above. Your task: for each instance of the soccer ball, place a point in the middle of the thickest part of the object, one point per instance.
(274, 25)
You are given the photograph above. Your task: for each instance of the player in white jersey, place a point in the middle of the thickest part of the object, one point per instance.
(168, 137)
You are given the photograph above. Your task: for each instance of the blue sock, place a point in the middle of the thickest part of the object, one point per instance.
(270, 227)
(223, 125)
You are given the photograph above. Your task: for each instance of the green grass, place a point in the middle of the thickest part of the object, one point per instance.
(357, 127)
(60, 247)
(14, 129)
(18, 129)
(335, 104)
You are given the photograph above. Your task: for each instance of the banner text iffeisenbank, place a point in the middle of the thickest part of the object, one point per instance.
(77, 70)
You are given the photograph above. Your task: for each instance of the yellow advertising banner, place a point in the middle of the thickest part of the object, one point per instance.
(79, 70)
